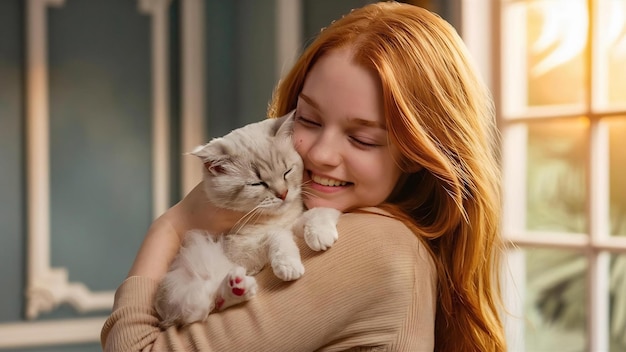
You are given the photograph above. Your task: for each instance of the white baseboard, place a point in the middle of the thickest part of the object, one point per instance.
(49, 333)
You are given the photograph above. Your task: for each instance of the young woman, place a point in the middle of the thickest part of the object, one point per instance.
(395, 129)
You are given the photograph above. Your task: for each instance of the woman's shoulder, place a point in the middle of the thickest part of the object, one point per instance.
(377, 225)
(375, 233)
(375, 250)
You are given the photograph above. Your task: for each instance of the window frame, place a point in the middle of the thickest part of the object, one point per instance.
(483, 25)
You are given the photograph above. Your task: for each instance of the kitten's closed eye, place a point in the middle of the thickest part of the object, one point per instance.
(286, 173)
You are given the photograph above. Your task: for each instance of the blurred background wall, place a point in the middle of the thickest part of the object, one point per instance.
(94, 98)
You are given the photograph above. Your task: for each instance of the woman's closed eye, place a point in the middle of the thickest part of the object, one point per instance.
(364, 143)
(360, 142)
(307, 122)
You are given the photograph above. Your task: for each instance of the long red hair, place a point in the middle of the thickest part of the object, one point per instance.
(439, 114)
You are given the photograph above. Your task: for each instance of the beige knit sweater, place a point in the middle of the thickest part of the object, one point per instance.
(374, 290)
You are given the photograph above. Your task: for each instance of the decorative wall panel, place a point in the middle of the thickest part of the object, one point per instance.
(97, 158)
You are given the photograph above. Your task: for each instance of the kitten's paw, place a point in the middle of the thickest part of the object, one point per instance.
(237, 287)
(320, 229)
(240, 284)
(287, 268)
(320, 238)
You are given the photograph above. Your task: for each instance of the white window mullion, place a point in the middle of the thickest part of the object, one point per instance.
(597, 184)
(598, 301)
(514, 293)
(599, 229)
(513, 220)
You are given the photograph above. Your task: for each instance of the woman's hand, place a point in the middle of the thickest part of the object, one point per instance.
(166, 233)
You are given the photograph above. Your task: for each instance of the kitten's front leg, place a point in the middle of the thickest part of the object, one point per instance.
(284, 255)
(318, 226)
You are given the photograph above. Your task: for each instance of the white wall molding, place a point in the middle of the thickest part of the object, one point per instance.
(57, 332)
(288, 34)
(47, 287)
(193, 92)
(38, 295)
(158, 9)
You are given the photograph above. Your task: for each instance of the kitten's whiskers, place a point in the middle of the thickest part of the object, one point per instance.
(304, 190)
(247, 218)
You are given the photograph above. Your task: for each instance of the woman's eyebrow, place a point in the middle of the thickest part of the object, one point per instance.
(367, 123)
(355, 120)
(309, 101)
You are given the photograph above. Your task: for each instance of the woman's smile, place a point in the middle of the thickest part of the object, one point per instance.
(325, 181)
(325, 184)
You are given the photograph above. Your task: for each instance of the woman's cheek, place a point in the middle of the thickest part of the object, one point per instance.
(297, 143)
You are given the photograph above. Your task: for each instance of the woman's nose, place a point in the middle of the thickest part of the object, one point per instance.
(326, 151)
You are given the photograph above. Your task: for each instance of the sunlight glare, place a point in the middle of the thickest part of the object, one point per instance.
(564, 33)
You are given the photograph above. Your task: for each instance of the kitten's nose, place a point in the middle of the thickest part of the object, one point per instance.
(282, 195)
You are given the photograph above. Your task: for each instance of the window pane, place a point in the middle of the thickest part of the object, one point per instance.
(617, 67)
(555, 300)
(556, 175)
(617, 287)
(617, 164)
(556, 45)
(611, 57)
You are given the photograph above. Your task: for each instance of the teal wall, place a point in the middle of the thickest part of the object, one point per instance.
(12, 228)
(100, 137)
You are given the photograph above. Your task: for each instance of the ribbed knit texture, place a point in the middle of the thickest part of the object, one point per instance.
(374, 290)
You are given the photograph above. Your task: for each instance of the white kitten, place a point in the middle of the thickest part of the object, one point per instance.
(254, 170)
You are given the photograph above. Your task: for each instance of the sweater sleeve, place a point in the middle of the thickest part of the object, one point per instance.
(375, 288)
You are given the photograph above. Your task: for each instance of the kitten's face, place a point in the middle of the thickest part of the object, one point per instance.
(250, 169)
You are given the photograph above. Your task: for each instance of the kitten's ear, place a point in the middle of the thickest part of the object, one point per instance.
(284, 124)
(213, 156)
(215, 167)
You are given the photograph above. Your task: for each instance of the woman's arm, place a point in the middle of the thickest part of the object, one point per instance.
(375, 286)
(164, 236)
(158, 249)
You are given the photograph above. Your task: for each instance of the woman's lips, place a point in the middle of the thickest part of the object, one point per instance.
(327, 184)
(325, 181)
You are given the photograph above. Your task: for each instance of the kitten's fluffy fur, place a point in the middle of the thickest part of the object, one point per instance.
(254, 170)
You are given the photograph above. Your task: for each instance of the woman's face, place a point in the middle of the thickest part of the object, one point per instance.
(340, 134)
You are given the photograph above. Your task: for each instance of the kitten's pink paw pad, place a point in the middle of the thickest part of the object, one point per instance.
(236, 288)
(219, 302)
(240, 285)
